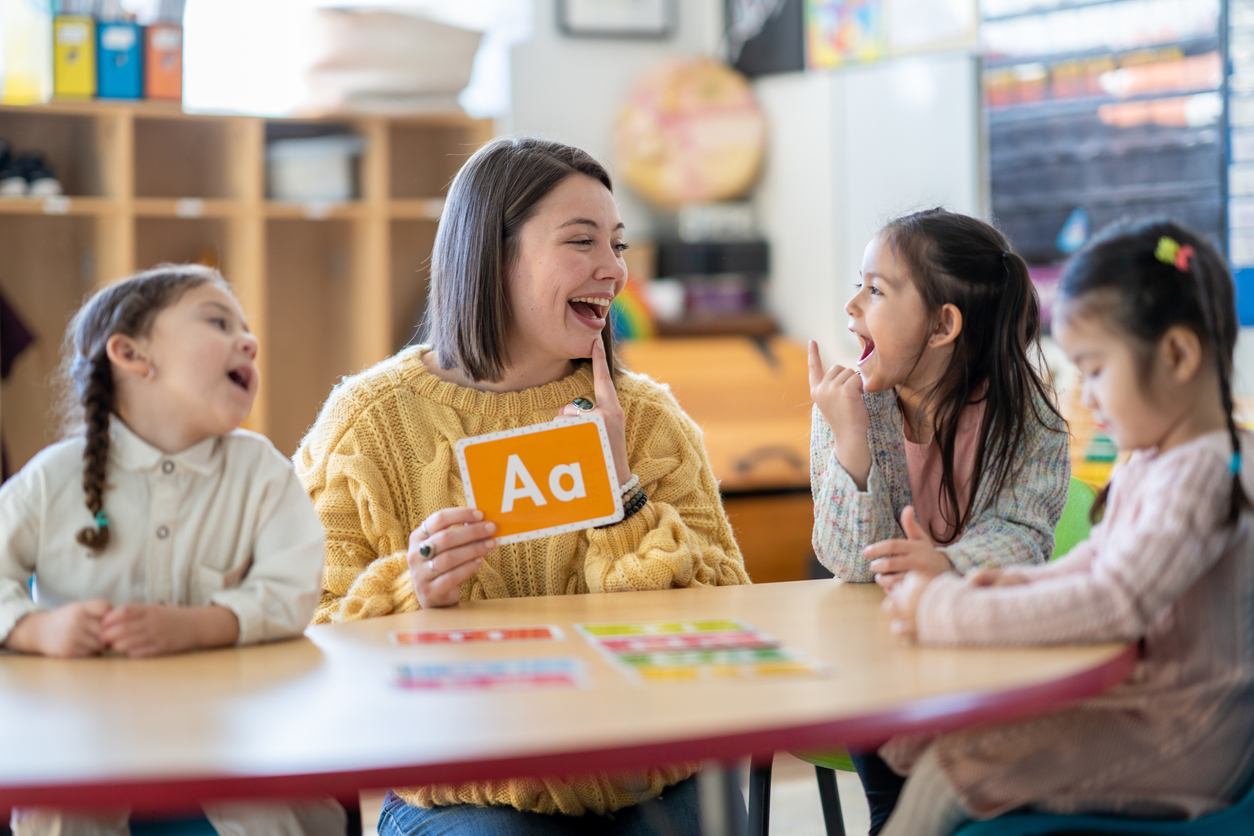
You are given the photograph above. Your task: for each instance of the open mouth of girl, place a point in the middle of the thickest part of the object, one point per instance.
(868, 348)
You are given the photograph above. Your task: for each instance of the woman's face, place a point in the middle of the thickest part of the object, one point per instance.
(567, 269)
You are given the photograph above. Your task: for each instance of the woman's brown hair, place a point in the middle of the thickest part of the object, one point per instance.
(128, 308)
(490, 199)
(960, 260)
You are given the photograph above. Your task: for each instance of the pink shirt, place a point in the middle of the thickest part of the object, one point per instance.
(1162, 569)
(923, 463)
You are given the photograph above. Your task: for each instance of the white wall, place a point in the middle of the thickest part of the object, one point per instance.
(569, 89)
(849, 151)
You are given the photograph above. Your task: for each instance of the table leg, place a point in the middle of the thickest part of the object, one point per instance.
(722, 805)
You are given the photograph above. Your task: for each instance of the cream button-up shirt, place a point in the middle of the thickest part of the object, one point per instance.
(224, 522)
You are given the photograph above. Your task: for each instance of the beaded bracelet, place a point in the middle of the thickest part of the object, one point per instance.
(630, 486)
(631, 505)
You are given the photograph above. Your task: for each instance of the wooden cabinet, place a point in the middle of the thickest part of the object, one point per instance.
(751, 397)
(330, 288)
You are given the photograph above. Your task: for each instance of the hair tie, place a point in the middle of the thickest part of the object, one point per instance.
(102, 519)
(1234, 466)
(1170, 252)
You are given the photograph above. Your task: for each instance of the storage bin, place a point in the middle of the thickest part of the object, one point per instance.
(314, 168)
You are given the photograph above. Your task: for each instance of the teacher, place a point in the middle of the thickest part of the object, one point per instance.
(527, 258)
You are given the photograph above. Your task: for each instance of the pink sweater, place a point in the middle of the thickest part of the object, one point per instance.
(1178, 737)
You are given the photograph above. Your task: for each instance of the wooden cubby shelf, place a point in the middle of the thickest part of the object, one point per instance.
(329, 287)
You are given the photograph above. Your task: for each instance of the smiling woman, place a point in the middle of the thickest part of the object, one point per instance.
(527, 259)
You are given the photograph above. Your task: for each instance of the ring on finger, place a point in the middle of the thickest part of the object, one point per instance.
(435, 573)
(583, 405)
(422, 529)
(426, 549)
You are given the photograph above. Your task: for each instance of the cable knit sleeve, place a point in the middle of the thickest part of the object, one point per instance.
(342, 467)
(1151, 554)
(846, 520)
(681, 537)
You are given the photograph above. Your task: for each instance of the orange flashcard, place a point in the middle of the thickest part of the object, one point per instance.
(542, 480)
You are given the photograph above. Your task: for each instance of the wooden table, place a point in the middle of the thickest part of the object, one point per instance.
(322, 715)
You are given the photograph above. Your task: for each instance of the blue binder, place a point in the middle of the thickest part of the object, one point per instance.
(120, 53)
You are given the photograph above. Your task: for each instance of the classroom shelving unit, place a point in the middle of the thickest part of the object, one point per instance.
(330, 288)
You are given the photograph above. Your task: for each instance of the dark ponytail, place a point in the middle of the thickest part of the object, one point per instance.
(1145, 277)
(127, 308)
(959, 260)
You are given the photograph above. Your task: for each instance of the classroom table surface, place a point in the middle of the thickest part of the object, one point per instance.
(323, 713)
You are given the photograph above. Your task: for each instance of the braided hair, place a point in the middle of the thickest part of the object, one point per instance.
(127, 308)
(1145, 277)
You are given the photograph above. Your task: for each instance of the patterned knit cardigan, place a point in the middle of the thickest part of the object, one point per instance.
(1015, 527)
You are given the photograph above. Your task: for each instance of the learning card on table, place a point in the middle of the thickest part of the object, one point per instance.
(546, 632)
(706, 666)
(543, 479)
(493, 674)
(597, 633)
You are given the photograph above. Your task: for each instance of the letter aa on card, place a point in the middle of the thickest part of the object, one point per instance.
(542, 480)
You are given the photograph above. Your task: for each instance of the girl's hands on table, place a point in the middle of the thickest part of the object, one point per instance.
(446, 549)
(902, 602)
(608, 407)
(838, 395)
(66, 632)
(995, 577)
(892, 559)
(146, 630)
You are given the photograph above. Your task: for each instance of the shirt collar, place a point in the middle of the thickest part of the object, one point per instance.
(129, 451)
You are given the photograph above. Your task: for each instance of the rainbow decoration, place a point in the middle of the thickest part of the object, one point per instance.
(630, 317)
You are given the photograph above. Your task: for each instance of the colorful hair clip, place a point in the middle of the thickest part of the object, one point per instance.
(1234, 466)
(1170, 252)
(102, 519)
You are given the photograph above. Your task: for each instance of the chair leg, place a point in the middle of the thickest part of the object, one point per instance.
(833, 816)
(760, 796)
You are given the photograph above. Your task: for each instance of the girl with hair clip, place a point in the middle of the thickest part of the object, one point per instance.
(160, 527)
(944, 425)
(1147, 313)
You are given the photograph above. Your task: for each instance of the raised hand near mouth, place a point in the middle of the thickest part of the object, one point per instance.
(838, 395)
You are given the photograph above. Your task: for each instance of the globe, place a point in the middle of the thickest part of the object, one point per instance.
(690, 132)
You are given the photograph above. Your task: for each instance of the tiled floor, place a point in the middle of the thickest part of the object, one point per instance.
(795, 808)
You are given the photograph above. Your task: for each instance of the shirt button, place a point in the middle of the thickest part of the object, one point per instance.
(167, 467)
(163, 533)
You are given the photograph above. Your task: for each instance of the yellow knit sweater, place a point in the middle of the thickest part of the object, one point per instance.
(380, 459)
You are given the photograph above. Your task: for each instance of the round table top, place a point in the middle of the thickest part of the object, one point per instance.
(324, 714)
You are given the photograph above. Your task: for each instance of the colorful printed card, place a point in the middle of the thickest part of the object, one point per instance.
(542, 480)
(495, 634)
(698, 650)
(494, 674)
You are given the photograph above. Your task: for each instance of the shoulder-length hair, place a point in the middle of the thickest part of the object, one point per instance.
(490, 199)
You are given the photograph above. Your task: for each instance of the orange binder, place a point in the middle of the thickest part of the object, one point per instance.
(163, 62)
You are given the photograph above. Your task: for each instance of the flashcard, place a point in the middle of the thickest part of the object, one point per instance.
(494, 674)
(688, 641)
(543, 479)
(495, 634)
(716, 665)
(599, 632)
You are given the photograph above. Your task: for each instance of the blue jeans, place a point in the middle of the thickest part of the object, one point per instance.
(882, 786)
(674, 813)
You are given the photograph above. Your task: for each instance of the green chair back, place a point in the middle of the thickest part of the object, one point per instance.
(1073, 527)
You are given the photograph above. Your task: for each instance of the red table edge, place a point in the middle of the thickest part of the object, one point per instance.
(935, 714)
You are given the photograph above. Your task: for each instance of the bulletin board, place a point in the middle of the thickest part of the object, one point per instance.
(1099, 110)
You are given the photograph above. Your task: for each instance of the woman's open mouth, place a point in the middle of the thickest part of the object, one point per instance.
(868, 348)
(591, 309)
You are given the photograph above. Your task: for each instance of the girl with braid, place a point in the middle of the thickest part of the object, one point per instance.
(1147, 313)
(161, 527)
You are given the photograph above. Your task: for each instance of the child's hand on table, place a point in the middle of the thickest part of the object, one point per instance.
(892, 559)
(142, 630)
(902, 601)
(838, 395)
(66, 632)
(995, 577)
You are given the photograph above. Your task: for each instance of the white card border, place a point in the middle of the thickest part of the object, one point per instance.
(460, 449)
